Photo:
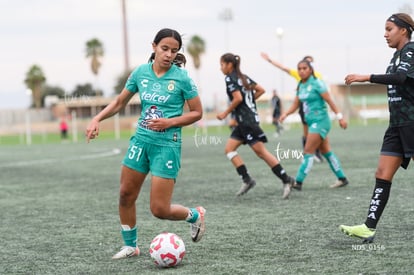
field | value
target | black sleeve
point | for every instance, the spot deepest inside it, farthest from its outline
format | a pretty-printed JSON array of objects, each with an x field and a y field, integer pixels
[{"x": 395, "y": 78}]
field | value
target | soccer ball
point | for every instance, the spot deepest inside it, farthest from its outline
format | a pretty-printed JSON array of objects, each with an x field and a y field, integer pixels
[{"x": 167, "y": 250}]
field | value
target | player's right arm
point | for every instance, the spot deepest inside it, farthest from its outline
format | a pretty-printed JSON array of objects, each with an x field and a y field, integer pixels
[
  {"x": 92, "y": 131},
  {"x": 293, "y": 108},
  {"x": 237, "y": 99},
  {"x": 275, "y": 63}
]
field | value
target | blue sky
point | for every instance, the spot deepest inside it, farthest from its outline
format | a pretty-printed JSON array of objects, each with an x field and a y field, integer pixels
[{"x": 343, "y": 37}]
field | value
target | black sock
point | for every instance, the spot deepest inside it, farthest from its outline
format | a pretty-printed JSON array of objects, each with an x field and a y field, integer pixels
[
  {"x": 280, "y": 173},
  {"x": 318, "y": 154},
  {"x": 378, "y": 202},
  {"x": 242, "y": 171}
]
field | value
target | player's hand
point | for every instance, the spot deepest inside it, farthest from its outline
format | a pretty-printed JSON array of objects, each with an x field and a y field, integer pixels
[
  {"x": 265, "y": 56},
  {"x": 349, "y": 79},
  {"x": 159, "y": 124},
  {"x": 92, "y": 131},
  {"x": 282, "y": 117},
  {"x": 221, "y": 116},
  {"x": 356, "y": 78},
  {"x": 343, "y": 123}
]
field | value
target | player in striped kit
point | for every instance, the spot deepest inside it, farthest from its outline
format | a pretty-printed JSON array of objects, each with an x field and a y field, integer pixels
[{"x": 242, "y": 92}]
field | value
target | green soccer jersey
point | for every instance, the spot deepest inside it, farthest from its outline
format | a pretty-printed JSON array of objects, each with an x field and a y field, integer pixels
[
  {"x": 161, "y": 97},
  {"x": 309, "y": 93}
]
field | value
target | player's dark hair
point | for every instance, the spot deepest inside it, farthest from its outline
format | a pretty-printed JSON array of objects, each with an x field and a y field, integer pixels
[
  {"x": 235, "y": 60},
  {"x": 164, "y": 33},
  {"x": 309, "y": 64},
  {"x": 308, "y": 57},
  {"x": 403, "y": 20},
  {"x": 180, "y": 60}
]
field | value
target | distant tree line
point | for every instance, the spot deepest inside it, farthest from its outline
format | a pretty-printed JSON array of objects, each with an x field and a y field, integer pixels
[{"x": 36, "y": 80}]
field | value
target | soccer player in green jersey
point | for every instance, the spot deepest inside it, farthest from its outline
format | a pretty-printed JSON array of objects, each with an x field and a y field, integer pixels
[
  {"x": 313, "y": 94},
  {"x": 295, "y": 74},
  {"x": 163, "y": 88},
  {"x": 242, "y": 92},
  {"x": 398, "y": 143}
]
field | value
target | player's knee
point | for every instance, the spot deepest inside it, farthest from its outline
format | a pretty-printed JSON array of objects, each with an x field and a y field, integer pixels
[
  {"x": 380, "y": 173},
  {"x": 261, "y": 154},
  {"x": 126, "y": 198},
  {"x": 231, "y": 155},
  {"x": 159, "y": 211}
]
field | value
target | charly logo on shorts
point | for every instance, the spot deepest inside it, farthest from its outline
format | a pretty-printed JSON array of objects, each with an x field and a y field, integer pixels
[{"x": 169, "y": 164}]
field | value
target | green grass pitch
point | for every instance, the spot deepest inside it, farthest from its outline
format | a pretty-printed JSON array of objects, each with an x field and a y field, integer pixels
[{"x": 59, "y": 215}]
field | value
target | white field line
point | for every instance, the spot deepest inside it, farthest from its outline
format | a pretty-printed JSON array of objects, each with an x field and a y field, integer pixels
[{"x": 112, "y": 152}]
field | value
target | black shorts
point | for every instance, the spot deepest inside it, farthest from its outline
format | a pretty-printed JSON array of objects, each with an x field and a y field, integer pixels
[
  {"x": 276, "y": 113},
  {"x": 399, "y": 142},
  {"x": 250, "y": 134},
  {"x": 302, "y": 114}
]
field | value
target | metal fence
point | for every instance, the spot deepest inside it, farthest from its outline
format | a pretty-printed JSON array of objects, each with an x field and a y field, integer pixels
[{"x": 14, "y": 120}]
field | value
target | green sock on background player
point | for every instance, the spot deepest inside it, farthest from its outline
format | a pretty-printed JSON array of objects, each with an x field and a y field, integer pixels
[
  {"x": 304, "y": 168},
  {"x": 335, "y": 164}
]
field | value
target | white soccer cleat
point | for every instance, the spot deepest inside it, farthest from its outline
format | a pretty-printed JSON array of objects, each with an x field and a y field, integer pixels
[
  {"x": 340, "y": 183},
  {"x": 197, "y": 229},
  {"x": 126, "y": 252},
  {"x": 245, "y": 187},
  {"x": 287, "y": 187}
]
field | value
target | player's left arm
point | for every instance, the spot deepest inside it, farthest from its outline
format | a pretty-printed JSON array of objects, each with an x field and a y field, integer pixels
[
  {"x": 194, "y": 114},
  {"x": 328, "y": 99},
  {"x": 258, "y": 91}
]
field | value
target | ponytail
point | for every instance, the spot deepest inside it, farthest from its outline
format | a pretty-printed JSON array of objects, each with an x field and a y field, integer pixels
[
  {"x": 235, "y": 60},
  {"x": 179, "y": 59}
]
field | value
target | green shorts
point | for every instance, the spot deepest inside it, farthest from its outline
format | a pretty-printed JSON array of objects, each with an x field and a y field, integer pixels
[
  {"x": 144, "y": 157},
  {"x": 321, "y": 127}
]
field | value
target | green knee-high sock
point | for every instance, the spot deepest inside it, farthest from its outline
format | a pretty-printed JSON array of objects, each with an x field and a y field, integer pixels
[
  {"x": 305, "y": 167},
  {"x": 192, "y": 215},
  {"x": 335, "y": 165},
  {"x": 130, "y": 236}
]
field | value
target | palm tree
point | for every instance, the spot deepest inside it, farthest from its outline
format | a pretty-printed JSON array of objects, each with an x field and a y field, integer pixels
[
  {"x": 94, "y": 50},
  {"x": 35, "y": 79},
  {"x": 84, "y": 90},
  {"x": 195, "y": 48}
]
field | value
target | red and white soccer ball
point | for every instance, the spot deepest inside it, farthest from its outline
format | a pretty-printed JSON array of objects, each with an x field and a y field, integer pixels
[{"x": 167, "y": 250}]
